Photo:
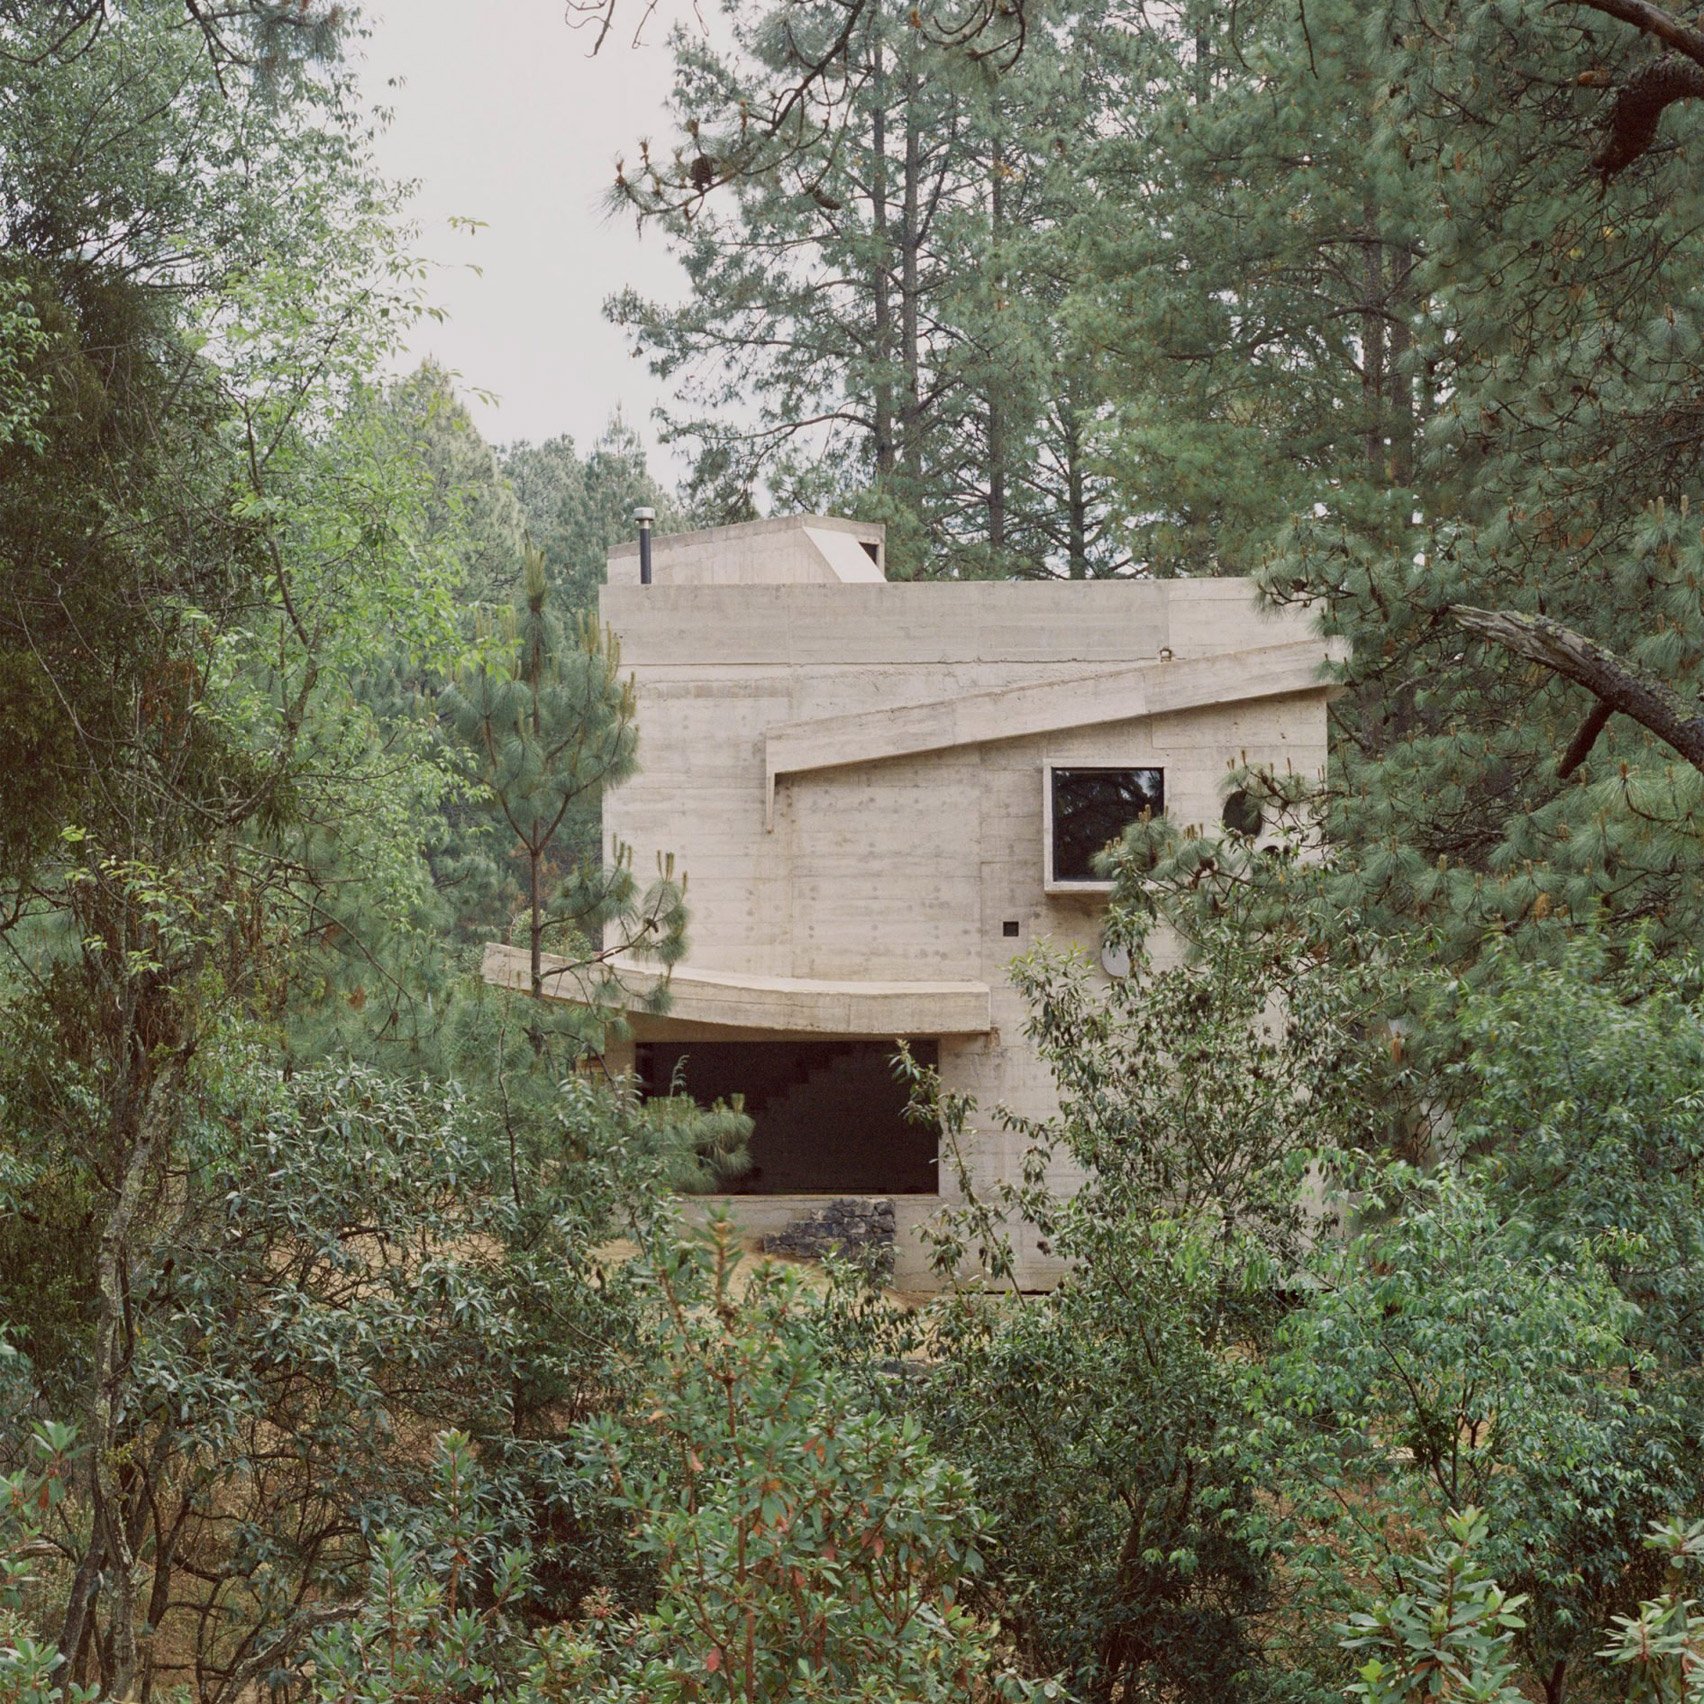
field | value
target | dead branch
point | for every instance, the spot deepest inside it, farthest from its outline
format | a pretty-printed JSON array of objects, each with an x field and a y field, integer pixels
[
  {"x": 1573, "y": 656},
  {"x": 1585, "y": 737}
]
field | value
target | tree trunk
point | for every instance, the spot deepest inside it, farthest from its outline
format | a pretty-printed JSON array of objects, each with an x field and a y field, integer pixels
[
  {"x": 535, "y": 913},
  {"x": 113, "y": 1487},
  {"x": 1373, "y": 346},
  {"x": 996, "y": 410},
  {"x": 881, "y": 248},
  {"x": 77, "y": 1625},
  {"x": 1076, "y": 495},
  {"x": 911, "y": 241},
  {"x": 1401, "y": 406}
]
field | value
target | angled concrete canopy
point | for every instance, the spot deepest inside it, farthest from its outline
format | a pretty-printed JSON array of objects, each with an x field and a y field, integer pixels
[{"x": 1010, "y": 712}]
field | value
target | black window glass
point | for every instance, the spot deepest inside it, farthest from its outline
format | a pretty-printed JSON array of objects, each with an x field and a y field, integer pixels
[{"x": 1093, "y": 807}]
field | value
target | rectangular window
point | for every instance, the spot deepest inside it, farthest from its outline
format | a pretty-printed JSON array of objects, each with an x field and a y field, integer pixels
[{"x": 1089, "y": 809}]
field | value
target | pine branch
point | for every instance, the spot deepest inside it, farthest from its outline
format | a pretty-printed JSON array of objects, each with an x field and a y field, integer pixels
[{"x": 1649, "y": 703}]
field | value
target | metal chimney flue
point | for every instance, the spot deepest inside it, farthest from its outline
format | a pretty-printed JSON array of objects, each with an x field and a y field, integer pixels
[{"x": 644, "y": 517}]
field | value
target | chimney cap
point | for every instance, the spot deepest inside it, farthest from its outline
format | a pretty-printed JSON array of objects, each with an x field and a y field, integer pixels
[{"x": 644, "y": 516}]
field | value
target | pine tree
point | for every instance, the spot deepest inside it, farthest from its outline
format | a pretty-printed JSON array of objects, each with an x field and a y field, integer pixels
[
  {"x": 543, "y": 734},
  {"x": 1379, "y": 334},
  {"x": 878, "y": 277}
]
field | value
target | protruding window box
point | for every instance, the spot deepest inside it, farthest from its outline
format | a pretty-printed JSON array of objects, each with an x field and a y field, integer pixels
[{"x": 1085, "y": 809}]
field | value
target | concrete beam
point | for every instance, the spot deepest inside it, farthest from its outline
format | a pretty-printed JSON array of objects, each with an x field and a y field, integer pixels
[
  {"x": 793, "y": 1005},
  {"x": 1116, "y": 695}
]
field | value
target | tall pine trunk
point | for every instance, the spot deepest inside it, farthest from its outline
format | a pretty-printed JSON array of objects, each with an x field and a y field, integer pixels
[
  {"x": 997, "y": 451},
  {"x": 911, "y": 241},
  {"x": 1076, "y": 494},
  {"x": 1373, "y": 344},
  {"x": 880, "y": 249}
]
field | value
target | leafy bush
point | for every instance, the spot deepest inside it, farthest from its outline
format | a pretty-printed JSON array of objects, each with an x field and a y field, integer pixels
[
  {"x": 1101, "y": 1420},
  {"x": 802, "y": 1548},
  {"x": 1446, "y": 1631},
  {"x": 1660, "y": 1651},
  {"x": 806, "y": 1548},
  {"x": 29, "y": 1666}
]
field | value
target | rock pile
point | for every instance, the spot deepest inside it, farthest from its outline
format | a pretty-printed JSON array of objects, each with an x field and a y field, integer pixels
[{"x": 853, "y": 1227}]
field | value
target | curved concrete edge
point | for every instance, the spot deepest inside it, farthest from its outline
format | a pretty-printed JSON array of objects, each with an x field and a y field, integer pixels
[{"x": 791, "y": 1005}]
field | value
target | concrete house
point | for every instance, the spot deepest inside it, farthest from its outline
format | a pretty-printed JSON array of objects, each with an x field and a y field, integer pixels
[{"x": 880, "y": 793}]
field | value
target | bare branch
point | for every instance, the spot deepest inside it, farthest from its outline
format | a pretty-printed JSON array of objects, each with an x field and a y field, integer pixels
[
  {"x": 1653, "y": 21},
  {"x": 1651, "y": 704}
]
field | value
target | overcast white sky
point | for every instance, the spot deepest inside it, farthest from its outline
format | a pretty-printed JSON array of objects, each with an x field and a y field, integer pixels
[{"x": 502, "y": 117}]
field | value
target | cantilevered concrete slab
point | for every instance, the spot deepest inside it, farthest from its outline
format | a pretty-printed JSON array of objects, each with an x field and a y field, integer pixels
[
  {"x": 1010, "y": 712},
  {"x": 789, "y": 1005}
]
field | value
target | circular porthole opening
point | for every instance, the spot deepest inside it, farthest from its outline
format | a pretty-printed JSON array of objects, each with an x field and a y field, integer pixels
[{"x": 1243, "y": 814}]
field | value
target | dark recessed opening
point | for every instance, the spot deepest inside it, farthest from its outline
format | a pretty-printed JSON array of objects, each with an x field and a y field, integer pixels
[
  {"x": 1091, "y": 810},
  {"x": 828, "y": 1117},
  {"x": 1243, "y": 814},
  {"x": 873, "y": 551},
  {"x": 1009, "y": 930}
]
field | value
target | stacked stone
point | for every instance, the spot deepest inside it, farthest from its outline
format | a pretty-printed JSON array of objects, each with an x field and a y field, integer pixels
[{"x": 852, "y": 1227}]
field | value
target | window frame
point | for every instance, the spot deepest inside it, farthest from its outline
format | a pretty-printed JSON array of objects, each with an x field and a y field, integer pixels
[{"x": 1067, "y": 884}]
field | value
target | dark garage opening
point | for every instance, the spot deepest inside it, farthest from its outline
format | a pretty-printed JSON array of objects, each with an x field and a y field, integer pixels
[{"x": 828, "y": 1117}]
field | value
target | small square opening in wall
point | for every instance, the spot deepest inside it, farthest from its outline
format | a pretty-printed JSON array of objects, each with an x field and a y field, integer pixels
[
  {"x": 1088, "y": 809},
  {"x": 1009, "y": 929}
]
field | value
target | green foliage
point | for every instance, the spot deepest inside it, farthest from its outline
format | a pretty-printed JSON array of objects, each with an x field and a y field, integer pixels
[
  {"x": 543, "y": 736},
  {"x": 1660, "y": 1651},
  {"x": 343, "y": 1262},
  {"x": 1584, "y": 1102},
  {"x": 799, "y": 1547},
  {"x": 805, "y": 1548},
  {"x": 1102, "y": 1420},
  {"x": 1096, "y": 1421},
  {"x": 23, "y": 393},
  {"x": 29, "y": 1498},
  {"x": 1445, "y": 1361},
  {"x": 469, "y": 509},
  {"x": 1445, "y": 1633},
  {"x": 578, "y": 507},
  {"x": 444, "y": 1614}
]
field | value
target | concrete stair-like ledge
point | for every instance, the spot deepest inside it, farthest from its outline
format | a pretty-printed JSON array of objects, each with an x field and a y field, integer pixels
[{"x": 799, "y": 1005}]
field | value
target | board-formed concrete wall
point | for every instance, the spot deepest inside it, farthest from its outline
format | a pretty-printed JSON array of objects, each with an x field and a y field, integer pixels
[{"x": 891, "y": 839}]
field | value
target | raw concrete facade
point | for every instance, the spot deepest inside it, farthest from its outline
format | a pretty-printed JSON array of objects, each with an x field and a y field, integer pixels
[{"x": 853, "y": 775}]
